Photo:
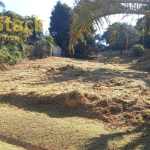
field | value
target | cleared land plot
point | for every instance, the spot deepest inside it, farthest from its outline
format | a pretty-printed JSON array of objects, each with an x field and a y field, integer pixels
[{"x": 115, "y": 113}]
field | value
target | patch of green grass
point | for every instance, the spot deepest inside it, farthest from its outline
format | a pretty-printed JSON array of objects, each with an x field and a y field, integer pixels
[
  {"x": 44, "y": 131},
  {"x": 50, "y": 130},
  {"x": 6, "y": 146}
]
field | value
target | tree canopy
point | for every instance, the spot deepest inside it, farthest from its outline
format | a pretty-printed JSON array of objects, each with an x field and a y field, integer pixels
[
  {"x": 121, "y": 36},
  {"x": 60, "y": 21},
  {"x": 2, "y": 4},
  {"x": 89, "y": 13}
]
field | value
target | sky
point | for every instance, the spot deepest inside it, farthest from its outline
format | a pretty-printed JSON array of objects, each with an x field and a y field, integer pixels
[{"x": 43, "y": 10}]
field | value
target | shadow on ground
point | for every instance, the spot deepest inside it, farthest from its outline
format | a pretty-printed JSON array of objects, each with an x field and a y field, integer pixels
[
  {"x": 38, "y": 104},
  {"x": 52, "y": 105},
  {"x": 143, "y": 66},
  {"x": 141, "y": 142}
]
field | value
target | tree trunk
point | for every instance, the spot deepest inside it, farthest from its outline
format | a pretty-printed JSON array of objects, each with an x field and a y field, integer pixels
[{"x": 127, "y": 46}]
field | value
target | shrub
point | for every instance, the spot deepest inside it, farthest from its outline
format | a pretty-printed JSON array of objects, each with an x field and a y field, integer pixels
[
  {"x": 40, "y": 50},
  {"x": 12, "y": 53},
  {"x": 4, "y": 56},
  {"x": 137, "y": 50}
]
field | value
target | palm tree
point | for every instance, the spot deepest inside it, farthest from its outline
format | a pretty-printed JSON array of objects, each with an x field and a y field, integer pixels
[
  {"x": 2, "y": 4},
  {"x": 146, "y": 20},
  {"x": 89, "y": 13}
]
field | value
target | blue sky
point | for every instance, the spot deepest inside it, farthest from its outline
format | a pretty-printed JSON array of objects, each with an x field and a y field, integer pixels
[{"x": 43, "y": 10}]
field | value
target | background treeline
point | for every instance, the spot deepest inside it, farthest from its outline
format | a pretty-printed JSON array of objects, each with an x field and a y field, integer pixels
[
  {"x": 30, "y": 44},
  {"x": 118, "y": 36}
]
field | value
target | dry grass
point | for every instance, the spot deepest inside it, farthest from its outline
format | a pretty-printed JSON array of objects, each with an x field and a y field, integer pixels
[
  {"x": 46, "y": 131},
  {"x": 34, "y": 95}
]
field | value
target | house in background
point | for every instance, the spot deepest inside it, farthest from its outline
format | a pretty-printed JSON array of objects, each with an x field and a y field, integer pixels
[{"x": 57, "y": 51}]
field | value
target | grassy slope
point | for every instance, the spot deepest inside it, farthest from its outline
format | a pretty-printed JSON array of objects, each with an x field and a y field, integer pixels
[{"x": 33, "y": 110}]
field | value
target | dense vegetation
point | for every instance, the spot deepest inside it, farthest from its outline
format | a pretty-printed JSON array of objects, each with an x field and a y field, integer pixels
[
  {"x": 34, "y": 44},
  {"x": 118, "y": 36},
  {"x": 101, "y": 103},
  {"x": 121, "y": 36},
  {"x": 60, "y": 21},
  {"x": 18, "y": 41}
]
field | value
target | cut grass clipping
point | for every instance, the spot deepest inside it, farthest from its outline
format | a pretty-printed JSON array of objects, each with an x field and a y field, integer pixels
[{"x": 61, "y": 103}]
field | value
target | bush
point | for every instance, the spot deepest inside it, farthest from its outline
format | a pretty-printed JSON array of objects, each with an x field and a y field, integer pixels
[
  {"x": 41, "y": 50},
  {"x": 12, "y": 53},
  {"x": 137, "y": 50},
  {"x": 5, "y": 56}
]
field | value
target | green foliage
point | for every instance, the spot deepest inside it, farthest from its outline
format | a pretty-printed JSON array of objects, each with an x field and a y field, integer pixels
[
  {"x": 85, "y": 47},
  {"x": 138, "y": 50},
  {"x": 120, "y": 36},
  {"x": 8, "y": 57},
  {"x": 13, "y": 16},
  {"x": 12, "y": 53},
  {"x": 60, "y": 25},
  {"x": 2, "y": 4},
  {"x": 39, "y": 50},
  {"x": 145, "y": 41},
  {"x": 89, "y": 13},
  {"x": 4, "y": 56},
  {"x": 14, "y": 46},
  {"x": 43, "y": 47},
  {"x": 143, "y": 26},
  {"x": 50, "y": 43}
]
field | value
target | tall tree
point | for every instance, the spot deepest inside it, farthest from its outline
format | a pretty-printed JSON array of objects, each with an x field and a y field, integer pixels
[
  {"x": 85, "y": 47},
  {"x": 121, "y": 36},
  {"x": 2, "y": 4},
  {"x": 60, "y": 21},
  {"x": 143, "y": 26}
]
